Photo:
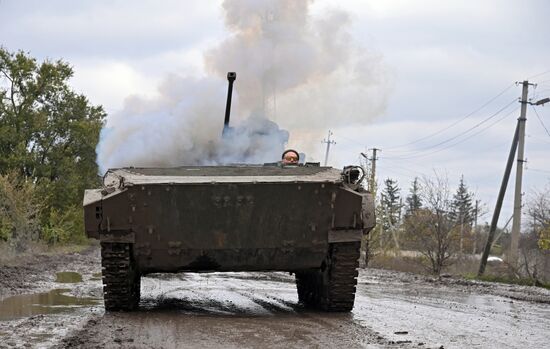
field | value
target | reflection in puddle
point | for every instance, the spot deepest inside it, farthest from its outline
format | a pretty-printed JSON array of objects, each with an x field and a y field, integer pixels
[
  {"x": 41, "y": 303},
  {"x": 68, "y": 277}
]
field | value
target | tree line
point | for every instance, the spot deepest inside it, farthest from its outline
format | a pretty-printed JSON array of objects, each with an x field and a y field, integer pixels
[
  {"x": 430, "y": 220},
  {"x": 48, "y": 137},
  {"x": 441, "y": 224}
]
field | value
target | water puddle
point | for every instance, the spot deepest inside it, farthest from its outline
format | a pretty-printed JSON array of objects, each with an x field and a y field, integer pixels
[
  {"x": 68, "y": 277},
  {"x": 52, "y": 302}
]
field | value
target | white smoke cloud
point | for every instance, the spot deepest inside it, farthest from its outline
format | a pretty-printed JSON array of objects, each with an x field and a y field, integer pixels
[{"x": 304, "y": 73}]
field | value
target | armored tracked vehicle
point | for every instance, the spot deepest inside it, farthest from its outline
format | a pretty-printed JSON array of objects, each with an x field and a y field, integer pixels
[{"x": 306, "y": 219}]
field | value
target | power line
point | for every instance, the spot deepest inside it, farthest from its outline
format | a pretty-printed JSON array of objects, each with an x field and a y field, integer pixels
[
  {"x": 456, "y": 122},
  {"x": 539, "y": 88},
  {"x": 410, "y": 171},
  {"x": 462, "y": 133},
  {"x": 351, "y": 140},
  {"x": 543, "y": 140},
  {"x": 399, "y": 172},
  {"x": 389, "y": 149},
  {"x": 539, "y": 74},
  {"x": 478, "y": 149},
  {"x": 540, "y": 119},
  {"x": 474, "y": 134},
  {"x": 418, "y": 153},
  {"x": 540, "y": 92},
  {"x": 460, "y": 141},
  {"x": 473, "y": 127},
  {"x": 537, "y": 170},
  {"x": 410, "y": 164}
]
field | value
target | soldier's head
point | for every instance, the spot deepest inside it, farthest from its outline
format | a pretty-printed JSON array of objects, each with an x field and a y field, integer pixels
[{"x": 290, "y": 157}]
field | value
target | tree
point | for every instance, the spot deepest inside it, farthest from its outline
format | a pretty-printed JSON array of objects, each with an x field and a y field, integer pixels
[
  {"x": 432, "y": 229},
  {"x": 462, "y": 209},
  {"x": 390, "y": 202},
  {"x": 544, "y": 239},
  {"x": 48, "y": 132},
  {"x": 534, "y": 243},
  {"x": 539, "y": 214},
  {"x": 413, "y": 201}
]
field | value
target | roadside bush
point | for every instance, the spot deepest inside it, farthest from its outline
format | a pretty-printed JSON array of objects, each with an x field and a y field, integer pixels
[
  {"x": 19, "y": 210},
  {"x": 394, "y": 261},
  {"x": 25, "y": 216},
  {"x": 5, "y": 229},
  {"x": 65, "y": 226}
]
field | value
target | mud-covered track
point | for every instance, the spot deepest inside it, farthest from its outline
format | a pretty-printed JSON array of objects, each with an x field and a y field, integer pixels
[
  {"x": 333, "y": 287},
  {"x": 121, "y": 280}
]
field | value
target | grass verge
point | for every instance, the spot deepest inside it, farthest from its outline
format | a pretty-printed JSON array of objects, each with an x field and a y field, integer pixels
[
  {"x": 9, "y": 256},
  {"x": 508, "y": 280}
]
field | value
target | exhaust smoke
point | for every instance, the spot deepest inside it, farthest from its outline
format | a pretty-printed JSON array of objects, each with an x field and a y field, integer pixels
[{"x": 301, "y": 72}]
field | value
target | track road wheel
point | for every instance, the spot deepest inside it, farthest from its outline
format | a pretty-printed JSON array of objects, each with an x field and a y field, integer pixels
[
  {"x": 332, "y": 287},
  {"x": 121, "y": 280}
]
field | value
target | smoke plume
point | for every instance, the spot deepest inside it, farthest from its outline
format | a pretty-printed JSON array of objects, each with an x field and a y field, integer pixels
[{"x": 301, "y": 72}]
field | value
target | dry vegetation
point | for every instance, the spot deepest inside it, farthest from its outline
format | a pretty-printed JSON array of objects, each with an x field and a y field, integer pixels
[{"x": 435, "y": 233}]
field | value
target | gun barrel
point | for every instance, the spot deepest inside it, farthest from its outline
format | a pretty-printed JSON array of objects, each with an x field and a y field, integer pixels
[{"x": 231, "y": 76}]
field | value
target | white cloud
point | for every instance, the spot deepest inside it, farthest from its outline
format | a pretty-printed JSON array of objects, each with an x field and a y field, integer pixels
[
  {"x": 110, "y": 82},
  {"x": 119, "y": 29}
]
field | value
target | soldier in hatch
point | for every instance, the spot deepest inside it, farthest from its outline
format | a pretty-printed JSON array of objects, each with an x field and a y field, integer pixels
[{"x": 290, "y": 157}]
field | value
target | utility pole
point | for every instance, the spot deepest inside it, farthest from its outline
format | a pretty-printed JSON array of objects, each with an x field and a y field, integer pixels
[
  {"x": 373, "y": 187},
  {"x": 475, "y": 228},
  {"x": 372, "y": 190},
  {"x": 373, "y": 170},
  {"x": 504, "y": 229},
  {"x": 516, "y": 223},
  {"x": 519, "y": 144},
  {"x": 498, "y": 206},
  {"x": 328, "y": 142}
]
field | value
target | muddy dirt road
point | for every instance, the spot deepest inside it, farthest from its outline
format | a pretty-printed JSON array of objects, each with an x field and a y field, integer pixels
[{"x": 250, "y": 310}]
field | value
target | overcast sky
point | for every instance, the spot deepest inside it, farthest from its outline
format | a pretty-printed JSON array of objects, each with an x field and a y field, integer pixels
[{"x": 439, "y": 61}]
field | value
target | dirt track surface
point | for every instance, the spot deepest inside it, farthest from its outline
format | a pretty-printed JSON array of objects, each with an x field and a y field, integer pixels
[
  {"x": 33, "y": 273},
  {"x": 249, "y": 310}
]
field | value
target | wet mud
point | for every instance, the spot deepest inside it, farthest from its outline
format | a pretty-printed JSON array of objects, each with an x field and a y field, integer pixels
[
  {"x": 453, "y": 313},
  {"x": 222, "y": 310},
  {"x": 53, "y": 302},
  {"x": 45, "y": 297},
  {"x": 31, "y": 274},
  {"x": 68, "y": 277},
  {"x": 250, "y": 310}
]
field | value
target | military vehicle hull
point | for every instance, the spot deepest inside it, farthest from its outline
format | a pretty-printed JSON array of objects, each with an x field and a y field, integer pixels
[{"x": 226, "y": 218}]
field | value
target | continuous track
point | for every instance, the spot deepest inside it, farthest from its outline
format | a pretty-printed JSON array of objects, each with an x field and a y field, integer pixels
[
  {"x": 332, "y": 287},
  {"x": 121, "y": 280}
]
